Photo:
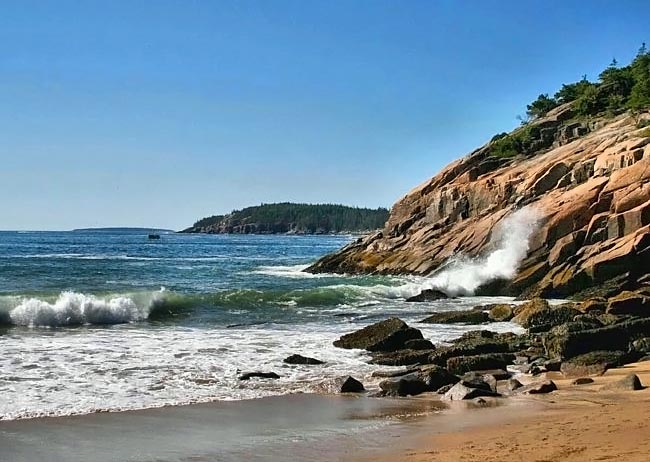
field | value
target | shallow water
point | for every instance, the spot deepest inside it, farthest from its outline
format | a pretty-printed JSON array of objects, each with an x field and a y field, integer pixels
[{"x": 112, "y": 321}]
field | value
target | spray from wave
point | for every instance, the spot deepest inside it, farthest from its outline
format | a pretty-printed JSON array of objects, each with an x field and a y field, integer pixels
[
  {"x": 73, "y": 308},
  {"x": 511, "y": 242}
]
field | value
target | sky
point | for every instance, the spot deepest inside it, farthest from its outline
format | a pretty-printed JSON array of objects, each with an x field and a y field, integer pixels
[{"x": 158, "y": 113}]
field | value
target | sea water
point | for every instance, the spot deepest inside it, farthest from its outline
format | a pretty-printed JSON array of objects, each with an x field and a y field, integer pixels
[{"x": 113, "y": 321}]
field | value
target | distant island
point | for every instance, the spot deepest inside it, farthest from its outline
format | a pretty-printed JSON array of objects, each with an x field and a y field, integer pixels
[
  {"x": 290, "y": 218},
  {"x": 123, "y": 230}
]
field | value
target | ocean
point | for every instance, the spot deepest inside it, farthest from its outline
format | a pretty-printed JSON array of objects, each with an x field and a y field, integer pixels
[{"x": 112, "y": 321}]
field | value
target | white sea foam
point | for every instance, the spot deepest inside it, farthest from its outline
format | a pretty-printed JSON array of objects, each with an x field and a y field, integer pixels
[
  {"x": 73, "y": 308},
  {"x": 135, "y": 366},
  {"x": 290, "y": 271},
  {"x": 510, "y": 240}
]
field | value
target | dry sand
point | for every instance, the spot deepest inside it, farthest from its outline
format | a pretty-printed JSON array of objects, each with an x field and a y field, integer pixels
[{"x": 576, "y": 423}]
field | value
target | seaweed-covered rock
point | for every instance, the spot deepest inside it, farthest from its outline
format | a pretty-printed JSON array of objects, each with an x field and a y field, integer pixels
[
  {"x": 428, "y": 295},
  {"x": 500, "y": 312},
  {"x": 540, "y": 316},
  {"x": 592, "y": 363},
  {"x": 641, "y": 345},
  {"x": 402, "y": 357},
  {"x": 562, "y": 343},
  {"x": 388, "y": 335},
  {"x": 457, "y": 317},
  {"x": 463, "y": 364}
]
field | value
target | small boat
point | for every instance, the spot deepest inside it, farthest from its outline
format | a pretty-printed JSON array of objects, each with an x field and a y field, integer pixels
[{"x": 154, "y": 236}]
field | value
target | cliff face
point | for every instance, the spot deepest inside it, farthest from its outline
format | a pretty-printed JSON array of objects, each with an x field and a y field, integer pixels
[{"x": 589, "y": 182}]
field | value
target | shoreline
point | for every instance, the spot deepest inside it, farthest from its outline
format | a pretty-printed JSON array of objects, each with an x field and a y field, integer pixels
[{"x": 574, "y": 423}]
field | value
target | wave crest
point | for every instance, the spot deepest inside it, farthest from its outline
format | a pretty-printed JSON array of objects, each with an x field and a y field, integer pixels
[{"x": 73, "y": 308}]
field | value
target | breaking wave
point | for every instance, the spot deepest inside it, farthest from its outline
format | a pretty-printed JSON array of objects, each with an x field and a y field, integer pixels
[{"x": 510, "y": 240}]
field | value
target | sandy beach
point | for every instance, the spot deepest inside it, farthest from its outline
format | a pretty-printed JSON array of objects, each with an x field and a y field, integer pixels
[{"x": 574, "y": 423}]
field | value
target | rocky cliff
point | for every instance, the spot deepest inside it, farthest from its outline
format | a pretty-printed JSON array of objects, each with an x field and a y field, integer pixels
[{"x": 589, "y": 182}]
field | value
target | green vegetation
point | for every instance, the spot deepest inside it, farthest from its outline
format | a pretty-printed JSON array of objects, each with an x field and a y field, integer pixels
[
  {"x": 294, "y": 218},
  {"x": 617, "y": 89}
]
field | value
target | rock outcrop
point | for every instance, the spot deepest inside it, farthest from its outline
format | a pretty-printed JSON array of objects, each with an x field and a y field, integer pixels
[{"x": 589, "y": 183}]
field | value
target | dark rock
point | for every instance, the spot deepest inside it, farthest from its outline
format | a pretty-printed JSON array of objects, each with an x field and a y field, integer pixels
[
  {"x": 419, "y": 344},
  {"x": 463, "y": 390},
  {"x": 428, "y": 295},
  {"x": 402, "y": 357},
  {"x": 436, "y": 377},
  {"x": 630, "y": 382},
  {"x": 480, "y": 381},
  {"x": 536, "y": 388},
  {"x": 263, "y": 375},
  {"x": 592, "y": 363},
  {"x": 561, "y": 343},
  {"x": 457, "y": 317},
  {"x": 500, "y": 312},
  {"x": 476, "y": 343},
  {"x": 388, "y": 335},
  {"x": 427, "y": 378},
  {"x": 409, "y": 384},
  {"x": 463, "y": 364},
  {"x": 350, "y": 385},
  {"x": 582, "y": 381},
  {"x": 299, "y": 359}
]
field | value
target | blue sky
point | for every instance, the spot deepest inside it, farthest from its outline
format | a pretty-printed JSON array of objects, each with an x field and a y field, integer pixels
[{"x": 157, "y": 113}]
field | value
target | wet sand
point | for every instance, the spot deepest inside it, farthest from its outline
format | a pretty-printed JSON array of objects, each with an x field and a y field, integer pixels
[
  {"x": 295, "y": 427},
  {"x": 575, "y": 423}
]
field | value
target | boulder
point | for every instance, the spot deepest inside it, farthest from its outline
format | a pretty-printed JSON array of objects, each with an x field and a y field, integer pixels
[
  {"x": 562, "y": 343},
  {"x": 409, "y": 384},
  {"x": 349, "y": 385},
  {"x": 630, "y": 382},
  {"x": 457, "y": 317},
  {"x": 500, "y": 312},
  {"x": 463, "y": 364},
  {"x": 428, "y": 295},
  {"x": 388, "y": 335},
  {"x": 299, "y": 359},
  {"x": 427, "y": 378},
  {"x": 464, "y": 391},
  {"x": 592, "y": 363},
  {"x": 536, "y": 388},
  {"x": 263, "y": 375},
  {"x": 436, "y": 377}
]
